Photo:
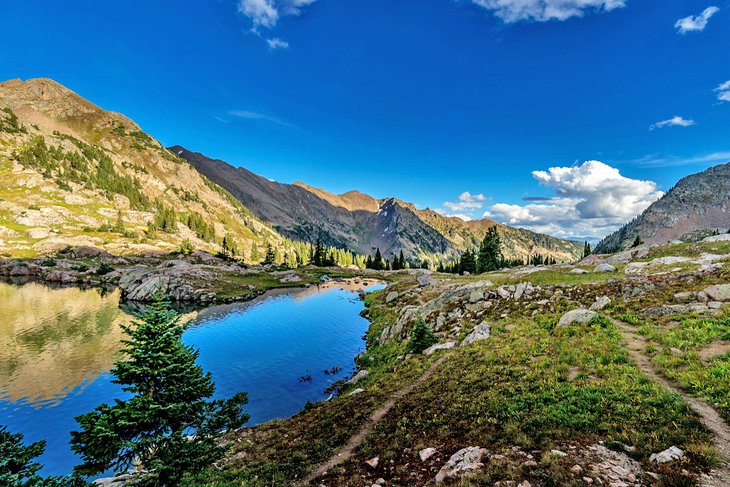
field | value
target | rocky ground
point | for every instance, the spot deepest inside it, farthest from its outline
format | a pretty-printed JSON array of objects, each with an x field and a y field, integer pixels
[{"x": 613, "y": 372}]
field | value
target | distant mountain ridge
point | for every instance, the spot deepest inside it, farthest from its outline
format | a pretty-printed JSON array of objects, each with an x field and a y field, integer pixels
[
  {"x": 698, "y": 205},
  {"x": 361, "y": 223}
]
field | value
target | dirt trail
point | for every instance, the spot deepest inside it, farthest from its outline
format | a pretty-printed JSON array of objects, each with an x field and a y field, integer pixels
[
  {"x": 345, "y": 453},
  {"x": 708, "y": 415}
]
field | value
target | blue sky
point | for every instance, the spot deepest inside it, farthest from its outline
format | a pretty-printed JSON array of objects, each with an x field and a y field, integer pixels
[{"x": 435, "y": 102}]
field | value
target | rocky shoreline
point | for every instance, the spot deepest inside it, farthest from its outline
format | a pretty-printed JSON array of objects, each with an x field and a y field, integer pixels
[{"x": 197, "y": 278}]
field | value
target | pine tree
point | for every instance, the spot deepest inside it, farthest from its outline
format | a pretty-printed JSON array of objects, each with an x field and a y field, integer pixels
[
  {"x": 467, "y": 262},
  {"x": 490, "y": 253},
  {"x": 401, "y": 260},
  {"x": 421, "y": 337},
  {"x": 637, "y": 241},
  {"x": 169, "y": 424},
  {"x": 378, "y": 263},
  {"x": 270, "y": 257},
  {"x": 17, "y": 465},
  {"x": 586, "y": 250}
]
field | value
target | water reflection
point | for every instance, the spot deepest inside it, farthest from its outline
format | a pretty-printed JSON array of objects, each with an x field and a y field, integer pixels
[{"x": 54, "y": 340}]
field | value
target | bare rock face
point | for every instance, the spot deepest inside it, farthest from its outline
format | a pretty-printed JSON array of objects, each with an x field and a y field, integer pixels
[
  {"x": 464, "y": 462},
  {"x": 696, "y": 206}
]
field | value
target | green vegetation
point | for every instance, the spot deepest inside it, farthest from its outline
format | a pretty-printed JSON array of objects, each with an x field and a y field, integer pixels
[
  {"x": 421, "y": 337},
  {"x": 17, "y": 465},
  {"x": 9, "y": 122},
  {"x": 90, "y": 167},
  {"x": 490, "y": 252},
  {"x": 169, "y": 425},
  {"x": 203, "y": 230}
]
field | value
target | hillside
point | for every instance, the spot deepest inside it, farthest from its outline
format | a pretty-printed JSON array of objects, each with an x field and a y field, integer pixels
[
  {"x": 74, "y": 174},
  {"x": 361, "y": 223},
  {"x": 695, "y": 207}
]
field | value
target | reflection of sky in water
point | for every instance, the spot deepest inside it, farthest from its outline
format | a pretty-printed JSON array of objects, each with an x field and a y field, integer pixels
[{"x": 56, "y": 346}]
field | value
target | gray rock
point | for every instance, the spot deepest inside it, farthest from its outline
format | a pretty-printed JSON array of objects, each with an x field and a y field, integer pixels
[
  {"x": 723, "y": 237},
  {"x": 426, "y": 453},
  {"x": 718, "y": 292},
  {"x": 480, "y": 332},
  {"x": 465, "y": 461},
  {"x": 685, "y": 297},
  {"x": 577, "y": 315},
  {"x": 604, "y": 268},
  {"x": 358, "y": 377},
  {"x": 424, "y": 280},
  {"x": 356, "y": 391},
  {"x": 373, "y": 462},
  {"x": 392, "y": 296},
  {"x": 439, "y": 346},
  {"x": 669, "y": 455},
  {"x": 476, "y": 296},
  {"x": 601, "y": 302},
  {"x": 578, "y": 270}
]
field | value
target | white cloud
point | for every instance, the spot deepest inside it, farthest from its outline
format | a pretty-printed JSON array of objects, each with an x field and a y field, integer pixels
[
  {"x": 463, "y": 216},
  {"x": 593, "y": 199},
  {"x": 250, "y": 115},
  {"x": 266, "y": 13},
  {"x": 723, "y": 91},
  {"x": 695, "y": 23},
  {"x": 467, "y": 201},
  {"x": 675, "y": 121},
  {"x": 276, "y": 43},
  {"x": 655, "y": 160},
  {"x": 545, "y": 10},
  {"x": 467, "y": 196}
]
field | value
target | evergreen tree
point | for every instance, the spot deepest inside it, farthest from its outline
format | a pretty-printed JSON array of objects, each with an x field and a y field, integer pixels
[
  {"x": 270, "y": 257},
  {"x": 421, "y": 337},
  {"x": 228, "y": 246},
  {"x": 468, "y": 262},
  {"x": 637, "y": 241},
  {"x": 169, "y": 424},
  {"x": 17, "y": 465},
  {"x": 586, "y": 250},
  {"x": 378, "y": 263},
  {"x": 490, "y": 254},
  {"x": 319, "y": 254},
  {"x": 401, "y": 260}
]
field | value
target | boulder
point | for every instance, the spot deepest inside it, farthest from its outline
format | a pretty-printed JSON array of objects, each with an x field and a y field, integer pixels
[
  {"x": 356, "y": 391},
  {"x": 480, "y": 332},
  {"x": 579, "y": 315},
  {"x": 439, "y": 346},
  {"x": 465, "y": 461},
  {"x": 373, "y": 462},
  {"x": 604, "y": 268},
  {"x": 476, "y": 296},
  {"x": 392, "y": 296},
  {"x": 426, "y": 453},
  {"x": 718, "y": 292},
  {"x": 578, "y": 270},
  {"x": 669, "y": 455},
  {"x": 358, "y": 377},
  {"x": 424, "y": 280},
  {"x": 601, "y": 302},
  {"x": 723, "y": 237}
]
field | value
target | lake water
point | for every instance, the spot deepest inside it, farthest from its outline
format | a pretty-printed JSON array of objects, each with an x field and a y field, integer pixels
[{"x": 58, "y": 345}]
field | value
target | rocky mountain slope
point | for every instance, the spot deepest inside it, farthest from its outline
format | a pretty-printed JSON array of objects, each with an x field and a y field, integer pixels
[
  {"x": 696, "y": 206},
  {"x": 74, "y": 174},
  {"x": 361, "y": 223}
]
